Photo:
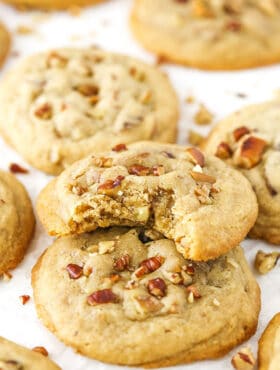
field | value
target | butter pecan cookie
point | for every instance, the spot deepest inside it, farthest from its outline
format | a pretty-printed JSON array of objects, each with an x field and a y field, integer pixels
[
  {"x": 201, "y": 203},
  {"x": 50, "y": 4},
  {"x": 269, "y": 346},
  {"x": 126, "y": 296},
  {"x": 16, "y": 221},
  {"x": 16, "y": 357},
  {"x": 4, "y": 43},
  {"x": 249, "y": 140},
  {"x": 59, "y": 106},
  {"x": 215, "y": 34}
]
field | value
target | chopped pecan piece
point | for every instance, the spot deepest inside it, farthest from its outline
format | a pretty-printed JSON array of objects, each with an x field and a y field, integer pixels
[
  {"x": 12, "y": 365},
  {"x": 78, "y": 190},
  {"x": 44, "y": 111},
  {"x": 74, "y": 271},
  {"x": 265, "y": 262},
  {"x": 16, "y": 168},
  {"x": 239, "y": 132},
  {"x": 149, "y": 304},
  {"x": 87, "y": 90},
  {"x": 250, "y": 153},
  {"x": 149, "y": 265},
  {"x": 223, "y": 151},
  {"x": 243, "y": 360},
  {"x": 157, "y": 287},
  {"x": 105, "y": 162},
  {"x": 24, "y": 299},
  {"x": 158, "y": 170},
  {"x": 41, "y": 350},
  {"x": 119, "y": 148},
  {"x": 192, "y": 289},
  {"x": 139, "y": 170},
  {"x": 196, "y": 156},
  {"x": 109, "y": 186},
  {"x": 122, "y": 263},
  {"x": 202, "y": 177},
  {"x": 115, "y": 278},
  {"x": 102, "y": 297}
]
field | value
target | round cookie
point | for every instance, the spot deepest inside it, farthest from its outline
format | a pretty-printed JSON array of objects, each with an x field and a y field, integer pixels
[
  {"x": 214, "y": 35},
  {"x": 50, "y": 4},
  {"x": 57, "y": 107},
  {"x": 4, "y": 43},
  {"x": 128, "y": 297},
  {"x": 250, "y": 141},
  {"x": 16, "y": 221},
  {"x": 16, "y": 357},
  {"x": 170, "y": 188},
  {"x": 269, "y": 345}
]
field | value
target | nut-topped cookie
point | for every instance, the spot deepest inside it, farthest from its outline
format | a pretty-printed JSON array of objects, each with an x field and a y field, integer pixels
[
  {"x": 215, "y": 34},
  {"x": 126, "y": 296},
  {"x": 201, "y": 203},
  {"x": 50, "y": 4},
  {"x": 16, "y": 357},
  {"x": 249, "y": 140},
  {"x": 59, "y": 106},
  {"x": 269, "y": 344},
  {"x": 4, "y": 43},
  {"x": 16, "y": 221}
]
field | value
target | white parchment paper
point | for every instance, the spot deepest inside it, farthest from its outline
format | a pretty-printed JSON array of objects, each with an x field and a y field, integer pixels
[{"x": 107, "y": 25}]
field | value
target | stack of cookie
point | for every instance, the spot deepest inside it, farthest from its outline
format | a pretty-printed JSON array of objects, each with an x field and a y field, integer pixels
[{"x": 147, "y": 269}]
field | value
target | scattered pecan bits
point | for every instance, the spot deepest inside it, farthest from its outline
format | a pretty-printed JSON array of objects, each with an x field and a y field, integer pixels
[
  {"x": 24, "y": 299},
  {"x": 157, "y": 287},
  {"x": 196, "y": 156},
  {"x": 122, "y": 263},
  {"x": 149, "y": 265},
  {"x": 223, "y": 151},
  {"x": 239, "y": 132},
  {"x": 139, "y": 170},
  {"x": 233, "y": 26},
  {"x": 265, "y": 262},
  {"x": 243, "y": 360},
  {"x": 44, "y": 111},
  {"x": 87, "y": 90},
  {"x": 56, "y": 60},
  {"x": 203, "y": 116},
  {"x": 110, "y": 186},
  {"x": 16, "y": 168},
  {"x": 102, "y": 297},
  {"x": 202, "y": 177},
  {"x": 189, "y": 269},
  {"x": 193, "y": 290},
  {"x": 250, "y": 152},
  {"x": 119, "y": 148},
  {"x": 74, "y": 271},
  {"x": 41, "y": 350}
]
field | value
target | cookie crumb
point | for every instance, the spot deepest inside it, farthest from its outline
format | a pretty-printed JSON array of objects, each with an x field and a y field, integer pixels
[
  {"x": 194, "y": 138},
  {"x": 241, "y": 95},
  {"x": 7, "y": 276},
  {"x": 190, "y": 99},
  {"x": 265, "y": 262},
  {"x": 41, "y": 350},
  {"x": 24, "y": 299},
  {"x": 203, "y": 116},
  {"x": 16, "y": 168},
  {"x": 244, "y": 359}
]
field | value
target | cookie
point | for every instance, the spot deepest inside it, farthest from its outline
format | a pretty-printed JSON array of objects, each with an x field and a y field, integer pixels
[
  {"x": 15, "y": 357},
  {"x": 4, "y": 43},
  {"x": 214, "y": 35},
  {"x": 168, "y": 187},
  {"x": 49, "y": 4},
  {"x": 126, "y": 296},
  {"x": 250, "y": 141},
  {"x": 269, "y": 344},
  {"x": 57, "y": 107},
  {"x": 16, "y": 221}
]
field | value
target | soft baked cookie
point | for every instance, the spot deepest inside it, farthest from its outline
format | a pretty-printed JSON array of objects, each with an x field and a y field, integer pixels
[
  {"x": 202, "y": 204},
  {"x": 215, "y": 34},
  {"x": 128, "y": 297},
  {"x": 50, "y": 4},
  {"x": 16, "y": 221},
  {"x": 16, "y": 357},
  {"x": 269, "y": 346},
  {"x": 250, "y": 141},
  {"x": 4, "y": 43},
  {"x": 59, "y": 106}
]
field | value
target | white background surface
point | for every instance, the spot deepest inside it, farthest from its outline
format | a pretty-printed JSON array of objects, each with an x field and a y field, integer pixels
[{"x": 107, "y": 25}]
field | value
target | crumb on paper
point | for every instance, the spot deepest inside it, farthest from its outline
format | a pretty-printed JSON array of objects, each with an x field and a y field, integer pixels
[
  {"x": 194, "y": 138},
  {"x": 243, "y": 360},
  {"x": 203, "y": 116},
  {"x": 160, "y": 59},
  {"x": 265, "y": 262},
  {"x": 241, "y": 95},
  {"x": 190, "y": 99},
  {"x": 24, "y": 30}
]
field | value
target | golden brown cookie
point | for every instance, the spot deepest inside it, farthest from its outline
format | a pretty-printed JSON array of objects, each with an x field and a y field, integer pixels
[
  {"x": 269, "y": 346},
  {"x": 4, "y": 43},
  {"x": 50, "y": 4},
  {"x": 126, "y": 296},
  {"x": 16, "y": 221},
  {"x": 249, "y": 140},
  {"x": 59, "y": 106},
  {"x": 202, "y": 204},
  {"x": 215, "y": 34}
]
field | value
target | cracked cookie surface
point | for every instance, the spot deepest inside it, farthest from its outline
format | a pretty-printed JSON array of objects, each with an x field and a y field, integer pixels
[
  {"x": 170, "y": 188},
  {"x": 4, "y": 43},
  {"x": 216, "y": 34},
  {"x": 16, "y": 221},
  {"x": 125, "y": 296},
  {"x": 59, "y": 106},
  {"x": 269, "y": 345},
  {"x": 249, "y": 140},
  {"x": 16, "y": 357}
]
